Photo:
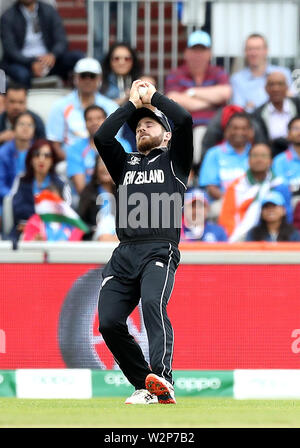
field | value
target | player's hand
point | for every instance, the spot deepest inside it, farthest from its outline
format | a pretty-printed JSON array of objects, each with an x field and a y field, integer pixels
[
  {"x": 134, "y": 95},
  {"x": 146, "y": 99}
]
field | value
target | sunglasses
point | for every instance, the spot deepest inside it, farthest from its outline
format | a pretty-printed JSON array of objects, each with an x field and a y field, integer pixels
[
  {"x": 88, "y": 75},
  {"x": 120, "y": 58},
  {"x": 47, "y": 155}
]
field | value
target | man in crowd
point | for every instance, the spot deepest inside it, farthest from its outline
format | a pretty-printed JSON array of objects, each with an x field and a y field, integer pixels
[
  {"x": 225, "y": 162},
  {"x": 248, "y": 85},
  {"x": 34, "y": 42},
  {"x": 66, "y": 122},
  {"x": 287, "y": 164},
  {"x": 15, "y": 102},
  {"x": 274, "y": 115},
  {"x": 198, "y": 86},
  {"x": 242, "y": 200}
]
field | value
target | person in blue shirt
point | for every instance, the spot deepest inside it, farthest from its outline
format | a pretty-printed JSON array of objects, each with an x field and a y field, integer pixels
[
  {"x": 13, "y": 153},
  {"x": 40, "y": 164},
  {"x": 227, "y": 161},
  {"x": 287, "y": 163},
  {"x": 81, "y": 156},
  {"x": 66, "y": 122},
  {"x": 195, "y": 225},
  {"x": 248, "y": 85},
  {"x": 273, "y": 226}
]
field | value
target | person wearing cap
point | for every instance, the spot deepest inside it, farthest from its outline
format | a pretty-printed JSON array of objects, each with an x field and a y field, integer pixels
[
  {"x": 195, "y": 224},
  {"x": 150, "y": 189},
  {"x": 34, "y": 42},
  {"x": 273, "y": 225},
  {"x": 241, "y": 206},
  {"x": 199, "y": 86},
  {"x": 66, "y": 122}
]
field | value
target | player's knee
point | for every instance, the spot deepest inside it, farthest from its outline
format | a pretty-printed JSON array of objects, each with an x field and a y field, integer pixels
[{"x": 107, "y": 325}]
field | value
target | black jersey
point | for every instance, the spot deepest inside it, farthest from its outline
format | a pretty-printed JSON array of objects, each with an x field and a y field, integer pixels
[{"x": 150, "y": 189}]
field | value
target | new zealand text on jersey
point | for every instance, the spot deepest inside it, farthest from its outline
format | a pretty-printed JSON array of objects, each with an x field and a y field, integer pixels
[{"x": 144, "y": 177}]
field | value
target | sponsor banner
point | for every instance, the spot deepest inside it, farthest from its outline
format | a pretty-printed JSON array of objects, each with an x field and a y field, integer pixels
[
  {"x": 7, "y": 383},
  {"x": 187, "y": 383},
  {"x": 274, "y": 384},
  {"x": 53, "y": 383},
  {"x": 225, "y": 317}
]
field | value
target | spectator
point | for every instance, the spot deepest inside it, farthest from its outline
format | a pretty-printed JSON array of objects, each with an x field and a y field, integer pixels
[
  {"x": 198, "y": 86},
  {"x": 241, "y": 207},
  {"x": 13, "y": 153},
  {"x": 15, "y": 102},
  {"x": 248, "y": 85},
  {"x": 40, "y": 163},
  {"x": 195, "y": 225},
  {"x": 120, "y": 68},
  {"x": 99, "y": 215},
  {"x": 66, "y": 121},
  {"x": 273, "y": 225},
  {"x": 2, "y": 106},
  {"x": 34, "y": 42},
  {"x": 287, "y": 164},
  {"x": 54, "y": 220},
  {"x": 296, "y": 221},
  {"x": 225, "y": 162},
  {"x": 82, "y": 155},
  {"x": 274, "y": 115}
]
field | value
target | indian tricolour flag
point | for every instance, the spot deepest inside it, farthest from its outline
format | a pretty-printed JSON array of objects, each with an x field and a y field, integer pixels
[{"x": 52, "y": 208}]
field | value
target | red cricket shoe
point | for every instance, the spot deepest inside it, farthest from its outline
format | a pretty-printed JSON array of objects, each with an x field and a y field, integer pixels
[{"x": 161, "y": 388}]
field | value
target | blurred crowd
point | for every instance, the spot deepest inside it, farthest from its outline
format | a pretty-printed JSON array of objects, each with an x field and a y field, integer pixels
[{"x": 245, "y": 180}]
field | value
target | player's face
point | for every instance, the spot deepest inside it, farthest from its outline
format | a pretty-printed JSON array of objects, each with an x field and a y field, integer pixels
[
  {"x": 15, "y": 103},
  {"x": 42, "y": 160},
  {"x": 149, "y": 134},
  {"x": 94, "y": 119},
  {"x": 294, "y": 133},
  {"x": 260, "y": 158}
]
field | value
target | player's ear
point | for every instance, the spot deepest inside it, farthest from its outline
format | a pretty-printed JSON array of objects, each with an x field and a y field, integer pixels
[{"x": 168, "y": 136}]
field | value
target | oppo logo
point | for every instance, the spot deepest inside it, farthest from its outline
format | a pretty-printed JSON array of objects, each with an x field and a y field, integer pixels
[
  {"x": 198, "y": 384},
  {"x": 116, "y": 379},
  {"x": 296, "y": 343}
]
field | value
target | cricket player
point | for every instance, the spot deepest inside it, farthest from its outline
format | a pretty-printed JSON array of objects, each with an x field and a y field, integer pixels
[{"x": 150, "y": 188}]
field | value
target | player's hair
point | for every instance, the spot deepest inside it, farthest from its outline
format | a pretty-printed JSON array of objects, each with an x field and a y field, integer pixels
[
  {"x": 94, "y": 107},
  {"x": 291, "y": 122},
  {"x": 242, "y": 115}
]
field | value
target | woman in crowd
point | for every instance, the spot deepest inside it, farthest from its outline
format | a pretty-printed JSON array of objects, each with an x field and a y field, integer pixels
[
  {"x": 120, "y": 68},
  {"x": 40, "y": 174},
  {"x": 273, "y": 225},
  {"x": 13, "y": 153},
  {"x": 96, "y": 206}
]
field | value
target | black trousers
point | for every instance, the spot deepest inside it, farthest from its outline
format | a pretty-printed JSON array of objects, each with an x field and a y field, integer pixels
[{"x": 137, "y": 271}]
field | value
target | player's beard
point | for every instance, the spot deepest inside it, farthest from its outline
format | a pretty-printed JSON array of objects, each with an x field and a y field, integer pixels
[{"x": 149, "y": 143}]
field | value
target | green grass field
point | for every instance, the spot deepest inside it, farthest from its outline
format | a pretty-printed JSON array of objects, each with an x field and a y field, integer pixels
[{"x": 112, "y": 413}]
